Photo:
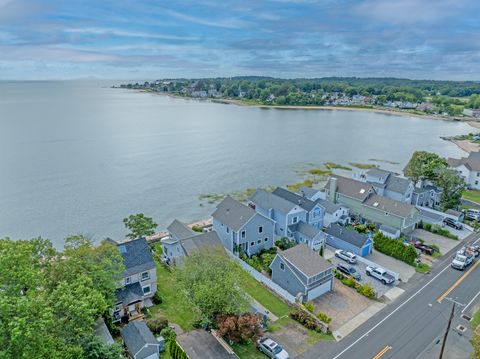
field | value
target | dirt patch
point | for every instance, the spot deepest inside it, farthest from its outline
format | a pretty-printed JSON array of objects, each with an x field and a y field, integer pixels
[
  {"x": 445, "y": 244},
  {"x": 467, "y": 145},
  {"x": 293, "y": 338},
  {"x": 341, "y": 304}
]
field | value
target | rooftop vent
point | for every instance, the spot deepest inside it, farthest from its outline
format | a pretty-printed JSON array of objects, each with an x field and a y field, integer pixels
[
  {"x": 375, "y": 204},
  {"x": 362, "y": 190}
]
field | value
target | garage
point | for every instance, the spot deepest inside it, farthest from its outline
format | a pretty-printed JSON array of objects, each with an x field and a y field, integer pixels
[{"x": 318, "y": 291}]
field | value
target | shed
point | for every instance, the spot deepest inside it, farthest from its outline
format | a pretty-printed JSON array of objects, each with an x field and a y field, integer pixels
[
  {"x": 348, "y": 240},
  {"x": 139, "y": 340}
]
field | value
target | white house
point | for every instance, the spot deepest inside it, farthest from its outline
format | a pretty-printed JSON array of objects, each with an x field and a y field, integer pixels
[{"x": 468, "y": 168}]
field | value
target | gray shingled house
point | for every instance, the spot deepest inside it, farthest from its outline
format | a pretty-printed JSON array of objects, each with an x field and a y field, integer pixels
[
  {"x": 388, "y": 184},
  {"x": 240, "y": 227},
  {"x": 343, "y": 238},
  {"x": 301, "y": 271},
  {"x": 139, "y": 280},
  {"x": 139, "y": 341}
]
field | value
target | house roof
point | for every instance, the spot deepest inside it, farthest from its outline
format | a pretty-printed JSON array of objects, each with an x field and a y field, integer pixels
[
  {"x": 268, "y": 200},
  {"x": 453, "y": 212},
  {"x": 308, "y": 192},
  {"x": 347, "y": 235},
  {"x": 305, "y": 260},
  {"x": 294, "y": 198},
  {"x": 180, "y": 230},
  {"x": 388, "y": 229},
  {"x": 351, "y": 188},
  {"x": 137, "y": 256},
  {"x": 200, "y": 344},
  {"x": 136, "y": 336},
  {"x": 204, "y": 241},
  {"x": 472, "y": 162},
  {"x": 131, "y": 293},
  {"x": 102, "y": 332},
  {"x": 379, "y": 173},
  {"x": 391, "y": 206},
  {"x": 233, "y": 213},
  {"x": 328, "y": 206},
  {"x": 305, "y": 229},
  {"x": 397, "y": 184}
]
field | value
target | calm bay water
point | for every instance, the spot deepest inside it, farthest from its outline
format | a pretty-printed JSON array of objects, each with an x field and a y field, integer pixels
[{"x": 76, "y": 157}]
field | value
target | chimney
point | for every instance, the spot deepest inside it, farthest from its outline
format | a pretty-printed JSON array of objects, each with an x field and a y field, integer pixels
[{"x": 332, "y": 191}]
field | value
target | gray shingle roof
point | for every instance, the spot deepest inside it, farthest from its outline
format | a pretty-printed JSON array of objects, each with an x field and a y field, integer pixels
[
  {"x": 328, "y": 206},
  {"x": 347, "y": 235},
  {"x": 102, "y": 332},
  {"x": 305, "y": 260},
  {"x": 350, "y": 187},
  {"x": 137, "y": 256},
  {"x": 136, "y": 335},
  {"x": 233, "y": 214},
  {"x": 379, "y": 173},
  {"x": 388, "y": 205},
  {"x": 200, "y": 344},
  {"x": 472, "y": 162},
  {"x": 397, "y": 184},
  {"x": 294, "y": 198},
  {"x": 453, "y": 212},
  {"x": 305, "y": 229},
  {"x": 129, "y": 294},
  {"x": 199, "y": 242},
  {"x": 180, "y": 230},
  {"x": 308, "y": 192},
  {"x": 388, "y": 229},
  {"x": 267, "y": 200}
]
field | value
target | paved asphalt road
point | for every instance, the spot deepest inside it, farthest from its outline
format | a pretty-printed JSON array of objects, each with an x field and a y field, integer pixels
[{"x": 413, "y": 325}]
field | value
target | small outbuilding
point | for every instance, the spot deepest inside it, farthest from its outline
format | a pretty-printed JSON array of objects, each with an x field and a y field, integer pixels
[
  {"x": 139, "y": 341},
  {"x": 343, "y": 238}
]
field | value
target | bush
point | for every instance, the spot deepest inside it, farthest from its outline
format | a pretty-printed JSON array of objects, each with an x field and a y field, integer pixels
[
  {"x": 157, "y": 298},
  {"x": 305, "y": 319},
  {"x": 361, "y": 228},
  {"x": 175, "y": 351},
  {"x": 395, "y": 248},
  {"x": 197, "y": 229},
  {"x": 239, "y": 329},
  {"x": 309, "y": 306},
  {"x": 323, "y": 317},
  {"x": 168, "y": 334},
  {"x": 366, "y": 290},
  {"x": 157, "y": 324},
  {"x": 285, "y": 243},
  {"x": 349, "y": 281}
]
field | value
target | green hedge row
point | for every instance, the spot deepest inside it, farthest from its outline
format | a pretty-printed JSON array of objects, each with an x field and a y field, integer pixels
[
  {"x": 395, "y": 248},
  {"x": 176, "y": 352}
]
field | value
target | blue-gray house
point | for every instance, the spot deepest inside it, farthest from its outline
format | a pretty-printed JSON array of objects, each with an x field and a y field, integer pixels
[
  {"x": 305, "y": 233},
  {"x": 343, "y": 238},
  {"x": 241, "y": 228},
  {"x": 302, "y": 272}
]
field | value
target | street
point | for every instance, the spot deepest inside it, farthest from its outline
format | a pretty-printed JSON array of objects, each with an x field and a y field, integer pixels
[{"x": 414, "y": 326}]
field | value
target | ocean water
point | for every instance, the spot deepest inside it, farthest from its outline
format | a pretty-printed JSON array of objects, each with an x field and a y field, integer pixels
[{"x": 78, "y": 157}]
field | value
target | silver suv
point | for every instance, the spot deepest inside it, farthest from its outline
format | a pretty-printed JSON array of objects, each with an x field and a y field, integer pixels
[{"x": 272, "y": 349}]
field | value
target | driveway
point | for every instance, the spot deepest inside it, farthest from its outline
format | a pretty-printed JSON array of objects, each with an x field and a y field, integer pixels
[
  {"x": 445, "y": 244},
  {"x": 462, "y": 234},
  {"x": 403, "y": 269}
]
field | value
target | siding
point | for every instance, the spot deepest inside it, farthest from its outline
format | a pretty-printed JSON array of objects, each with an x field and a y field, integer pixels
[
  {"x": 253, "y": 236},
  {"x": 286, "y": 279}
]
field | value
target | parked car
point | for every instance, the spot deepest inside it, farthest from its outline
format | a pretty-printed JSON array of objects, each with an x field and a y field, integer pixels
[
  {"x": 381, "y": 274},
  {"x": 472, "y": 214},
  {"x": 349, "y": 271},
  {"x": 452, "y": 223},
  {"x": 424, "y": 248},
  {"x": 272, "y": 349},
  {"x": 463, "y": 259},
  {"x": 346, "y": 256}
]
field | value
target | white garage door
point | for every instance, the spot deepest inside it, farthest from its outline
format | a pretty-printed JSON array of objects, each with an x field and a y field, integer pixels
[{"x": 316, "y": 292}]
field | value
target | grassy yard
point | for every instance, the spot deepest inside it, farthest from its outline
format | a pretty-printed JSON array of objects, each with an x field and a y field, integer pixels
[
  {"x": 247, "y": 351},
  {"x": 472, "y": 195},
  {"x": 175, "y": 307},
  {"x": 475, "y": 322}
]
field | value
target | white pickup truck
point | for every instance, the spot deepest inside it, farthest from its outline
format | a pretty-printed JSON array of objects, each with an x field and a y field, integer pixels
[
  {"x": 381, "y": 274},
  {"x": 464, "y": 258}
]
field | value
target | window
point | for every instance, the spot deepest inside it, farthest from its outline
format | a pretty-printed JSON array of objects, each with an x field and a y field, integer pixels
[
  {"x": 127, "y": 280},
  {"x": 282, "y": 266},
  {"x": 386, "y": 213},
  {"x": 252, "y": 243},
  {"x": 166, "y": 251},
  {"x": 295, "y": 219},
  {"x": 243, "y": 234},
  {"x": 145, "y": 276},
  {"x": 117, "y": 308},
  {"x": 146, "y": 289},
  {"x": 476, "y": 182},
  {"x": 260, "y": 229},
  {"x": 228, "y": 230},
  {"x": 259, "y": 241},
  {"x": 266, "y": 239},
  {"x": 478, "y": 174}
]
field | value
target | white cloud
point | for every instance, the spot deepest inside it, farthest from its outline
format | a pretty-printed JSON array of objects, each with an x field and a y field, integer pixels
[{"x": 126, "y": 33}]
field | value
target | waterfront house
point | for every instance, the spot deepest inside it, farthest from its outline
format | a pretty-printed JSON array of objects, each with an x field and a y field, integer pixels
[
  {"x": 427, "y": 195},
  {"x": 305, "y": 233},
  {"x": 302, "y": 272},
  {"x": 284, "y": 213},
  {"x": 139, "y": 341},
  {"x": 343, "y": 238},
  {"x": 468, "y": 168},
  {"x": 334, "y": 212},
  {"x": 139, "y": 280},
  {"x": 240, "y": 227},
  {"x": 186, "y": 242},
  {"x": 361, "y": 198}
]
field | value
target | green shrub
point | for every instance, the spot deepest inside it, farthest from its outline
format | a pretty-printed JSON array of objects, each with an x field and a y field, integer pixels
[
  {"x": 157, "y": 298},
  {"x": 285, "y": 243},
  {"x": 349, "y": 281},
  {"x": 309, "y": 306},
  {"x": 323, "y": 317},
  {"x": 157, "y": 324},
  {"x": 197, "y": 229},
  {"x": 361, "y": 228},
  {"x": 176, "y": 352},
  {"x": 395, "y": 248},
  {"x": 168, "y": 334},
  {"x": 305, "y": 319},
  {"x": 366, "y": 290}
]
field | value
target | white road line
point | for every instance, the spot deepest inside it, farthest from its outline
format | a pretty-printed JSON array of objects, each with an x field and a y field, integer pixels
[
  {"x": 392, "y": 313},
  {"x": 465, "y": 308}
]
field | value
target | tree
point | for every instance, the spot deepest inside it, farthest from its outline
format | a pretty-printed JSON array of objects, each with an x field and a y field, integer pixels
[
  {"x": 239, "y": 329},
  {"x": 210, "y": 281},
  {"x": 424, "y": 166},
  {"x": 452, "y": 186},
  {"x": 94, "y": 348},
  {"x": 139, "y": 225}
]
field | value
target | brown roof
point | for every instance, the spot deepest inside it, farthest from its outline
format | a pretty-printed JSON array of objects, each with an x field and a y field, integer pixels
[
  {"x": 305, "y": 260},
  {"x": 398, "y": 208},
  {"x": 351, "y": 188}
]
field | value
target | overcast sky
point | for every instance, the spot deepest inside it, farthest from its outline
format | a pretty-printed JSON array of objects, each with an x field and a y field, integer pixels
[{"x": 63, "y": 39}]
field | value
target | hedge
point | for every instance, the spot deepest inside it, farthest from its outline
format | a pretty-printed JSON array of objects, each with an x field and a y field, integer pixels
[
  {"x": 176, "y": 352},
  {"x": 395, "y": 248},
  {"x": 363, "y": 289},
  {"x": 436, "y": 229},
  {"x": 305, "y": 319}
]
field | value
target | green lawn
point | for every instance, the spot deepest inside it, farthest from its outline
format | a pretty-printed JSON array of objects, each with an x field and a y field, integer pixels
[
  {"x": 247, "y": 351},
  {"x": 475, "y": 322},
  {"x": 472, "y": 195},
  {"x": 175, "y": 307},
  {"x": 262, "y": 295}
]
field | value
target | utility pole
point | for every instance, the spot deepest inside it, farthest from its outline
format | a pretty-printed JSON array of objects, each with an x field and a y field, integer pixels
[{"x": 448, "y": 329}]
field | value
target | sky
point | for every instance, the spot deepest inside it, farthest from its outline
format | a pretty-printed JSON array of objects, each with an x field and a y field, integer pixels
[{"x": 147, "y": 39}]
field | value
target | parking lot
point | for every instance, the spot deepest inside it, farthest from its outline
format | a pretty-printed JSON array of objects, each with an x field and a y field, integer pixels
[{"x": 378, "y": 286}]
